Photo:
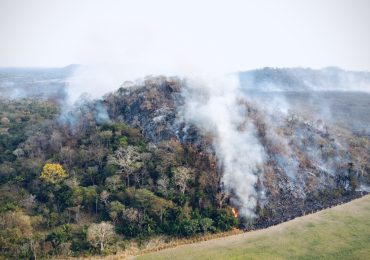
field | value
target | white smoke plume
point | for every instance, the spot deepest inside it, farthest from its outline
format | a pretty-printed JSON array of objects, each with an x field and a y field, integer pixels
[
  {"x": 214, "y": 106},
  {"x": 212, "y": 103}
]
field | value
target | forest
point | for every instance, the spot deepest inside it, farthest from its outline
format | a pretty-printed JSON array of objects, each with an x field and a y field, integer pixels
[
  {"x": 56, "y": 181},
  {"x": 110, "y": 172}
]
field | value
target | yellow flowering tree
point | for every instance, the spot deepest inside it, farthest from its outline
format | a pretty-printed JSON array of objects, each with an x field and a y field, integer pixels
[{"x": 53, "y": 173}]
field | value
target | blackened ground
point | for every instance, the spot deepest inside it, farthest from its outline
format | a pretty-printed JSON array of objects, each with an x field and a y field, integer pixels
[{"x": 289, "y": 208}]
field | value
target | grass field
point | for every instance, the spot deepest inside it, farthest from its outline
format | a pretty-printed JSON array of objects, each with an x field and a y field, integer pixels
[{"x": 342, "y": 232}]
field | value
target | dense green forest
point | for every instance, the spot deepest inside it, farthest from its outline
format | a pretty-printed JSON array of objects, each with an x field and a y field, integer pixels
[{"x": 57, "y": 180}]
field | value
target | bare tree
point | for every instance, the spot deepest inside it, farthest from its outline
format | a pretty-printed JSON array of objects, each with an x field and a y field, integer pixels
[
  {"x": 104, "y": 196},
  {"x": 128, "y": 161},
  {"x": 67, "y": 155},
  {"x": 100, "y": 234},
  {"x": 220, "y": 199},
  {"x": 181, "y": 176},
  {"x": 56, "y": 141},
  {"x": 133, "y": 215},
  {"x": 29, "y": 201},
  {"x": 106, "y": 136},
  {"x": 5, "y": 121},
  {"x": 163, "y": 184},
  {"x": 19, "y": 153}
]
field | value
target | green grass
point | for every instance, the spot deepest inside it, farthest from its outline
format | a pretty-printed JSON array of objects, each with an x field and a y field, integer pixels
[{"x": 342, "y": 232}]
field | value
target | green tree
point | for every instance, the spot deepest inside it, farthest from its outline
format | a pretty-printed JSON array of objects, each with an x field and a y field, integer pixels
[
  {"x": 115, "y": 208},
  {"x": 150, "y": 202},
  {"x": 189, "y": 227},
  {"x": 205, "y": 224}
]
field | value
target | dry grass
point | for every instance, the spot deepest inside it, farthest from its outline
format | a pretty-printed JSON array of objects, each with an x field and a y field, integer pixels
[{"x": 160, "y": 243}]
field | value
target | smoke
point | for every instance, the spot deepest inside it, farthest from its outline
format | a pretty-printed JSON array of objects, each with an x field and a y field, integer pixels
[
  {"x": 305, "y": 79},
  {"x": 85, "y": 106},
  {"x": 215, "y": 106},
  {"x": 126, "y": 42},
  {"x": 302, "y": 109},
  {"x": 336, "y": 96},
  {"x": 96, "y": 80},
  {"x": 213, "y": 103},
  {"x": 101, "y": 114}
]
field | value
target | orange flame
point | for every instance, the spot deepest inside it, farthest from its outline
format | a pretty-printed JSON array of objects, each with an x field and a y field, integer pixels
[{"x": 235, "y": 212}]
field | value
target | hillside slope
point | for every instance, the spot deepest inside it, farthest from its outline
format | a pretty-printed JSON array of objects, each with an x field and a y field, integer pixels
[
  {"x": 342, "y": 232},
  {"x": 165, "y": 157}
]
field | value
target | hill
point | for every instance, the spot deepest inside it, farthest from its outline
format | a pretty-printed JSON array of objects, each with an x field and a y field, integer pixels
[
  {"x": 164, "y": 157},
  {"x": 341, "y": 232}
]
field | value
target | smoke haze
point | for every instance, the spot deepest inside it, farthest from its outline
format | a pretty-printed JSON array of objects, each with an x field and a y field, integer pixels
[{"x": 119, "y": 41}]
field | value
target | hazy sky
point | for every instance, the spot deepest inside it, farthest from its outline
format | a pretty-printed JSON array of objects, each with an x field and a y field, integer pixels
[{"x": 185, "y": 35}]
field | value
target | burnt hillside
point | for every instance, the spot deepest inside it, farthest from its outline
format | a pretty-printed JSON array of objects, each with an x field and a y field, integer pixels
[{"x": 139, "y": 164}]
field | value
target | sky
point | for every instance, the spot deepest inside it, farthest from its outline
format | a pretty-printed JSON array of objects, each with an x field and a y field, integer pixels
[{"x": 171, "y": 36}]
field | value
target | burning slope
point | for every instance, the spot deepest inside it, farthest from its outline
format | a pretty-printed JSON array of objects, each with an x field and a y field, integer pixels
[
  {"x": 274, "y": 155},
  {"x": 307, "y": 164},
  {"x": 217, "y": 108},
  {"x": 166, "y": 156}
]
